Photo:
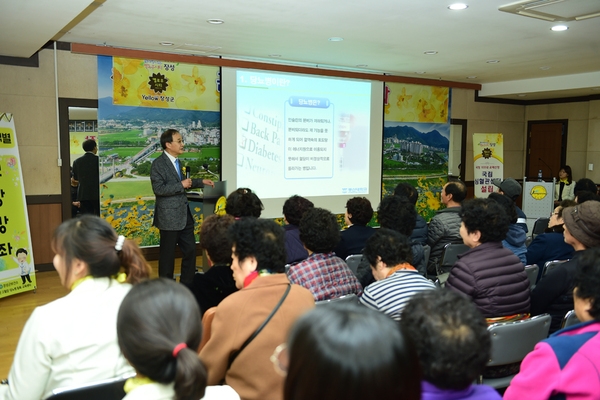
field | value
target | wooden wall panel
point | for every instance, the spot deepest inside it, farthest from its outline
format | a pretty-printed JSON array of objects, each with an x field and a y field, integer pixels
[{"x": 43, "y": 220}]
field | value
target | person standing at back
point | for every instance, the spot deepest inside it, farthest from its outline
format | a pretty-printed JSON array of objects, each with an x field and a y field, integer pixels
[
  {"x": 172, "y": 216},
  {"x": 419, "y": 233},
  {"x": 86, "y": 176}
]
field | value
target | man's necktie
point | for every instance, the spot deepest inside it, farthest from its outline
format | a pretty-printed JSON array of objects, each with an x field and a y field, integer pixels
[{"x": 178, "y": 167}]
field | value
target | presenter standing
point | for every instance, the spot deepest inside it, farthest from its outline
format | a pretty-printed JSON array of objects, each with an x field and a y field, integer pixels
[{"x": 172, "y": 216}]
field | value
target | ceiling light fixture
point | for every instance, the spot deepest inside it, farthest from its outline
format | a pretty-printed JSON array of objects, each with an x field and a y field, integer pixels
[
  {"x": 420, "y": 72},
  {"x": 335, "y": 39},
  {"x": 492, "y": 61},
  {"x": 362, "y": 66},
  {"x": 275, "y": 55},
  {"x": 215, "y": 21},
  {"x": 458, "y": 6},
  {"x": 166, "y": 43},
  {"x": 545, "y": 68},
  {"x": 559, "y": 28},
  {"x": 430, "y": 52},
  {"x": 471, "y": 77}
]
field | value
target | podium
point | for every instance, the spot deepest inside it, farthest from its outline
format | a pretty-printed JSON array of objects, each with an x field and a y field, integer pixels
[{"x": 538, "y": 200}]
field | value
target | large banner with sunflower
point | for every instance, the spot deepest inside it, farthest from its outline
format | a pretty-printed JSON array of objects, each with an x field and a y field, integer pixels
[
  {"x": 17, "y": 271},
  {"x": 488, "y": 164},
  {"x": 138, "y": 100},
  {"x": 416, "y": 140}
]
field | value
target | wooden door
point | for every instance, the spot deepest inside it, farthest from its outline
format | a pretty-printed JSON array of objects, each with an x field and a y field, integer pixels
[{"x": 546, "y": 148}]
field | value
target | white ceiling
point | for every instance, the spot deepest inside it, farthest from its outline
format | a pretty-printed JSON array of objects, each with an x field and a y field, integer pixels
[{"x": 389, "y": 36}]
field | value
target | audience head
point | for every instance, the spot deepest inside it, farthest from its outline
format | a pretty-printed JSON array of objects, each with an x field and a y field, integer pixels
[
  {"x": 509, "y": 187},
  {"x": 257, "y": 245},
  {"x": 584, "y": 196},
  {"x": 455, "y": 191},
  {"x": 565, "y": 173},
  {"x": 243, "y": 203},
  {"x": 587, "y": 286},
  {"x": 90, "y": 246},
  {"x": 386, "y": 249},
  {"x": 89, "y": 145},
  {"x": 213, "y": 238},
  {"x": 483, "y": 220},
  {"x": 556, "y": 222},
  {"x": 582, "y": 225},
  {"x": 359, "y": 211},
  {"x": 585, "y": 184},
  {"x": 397, "y": 213},
  {"x": 450, "y": 336},
  {"x": 407, "y": 190},
  {"x": 294, "y": 208},
  {"x": 319, "y": 230},
  {"x": 507, "y": 204},
  {"x": 167, "y": 137},
  {"x": 347, "y": 352},
  {"x": 159, "y": 330}
]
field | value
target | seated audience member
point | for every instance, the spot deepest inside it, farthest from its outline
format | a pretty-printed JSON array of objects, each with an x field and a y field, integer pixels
[
  {"x": 73, "y": 340},
  {"x": 398, "y": 214},
  {"x": 551, "y": 245},
  {"x": 452, "y": 342},
  {"x": 293, "y": 210},
  {"x": 159, "y": 329},
  {"x": 585, "y": 185},
  {"x": 512, "y": 189},
  {"x": 347, "y": 352},
  {"x": 491, "y": 275},
  {"x": 564, "y": 189},
  {"x": 566, "y": 365},
  {"x": 584, "y": 196},
  {"x": 212, "y": 286},
  {"x": 323, "y": 273},
  {"x": 358, "y": 214},
  {"x": 554, "y": 292},
  {"x": 389, "y": 255},
  {"x": 243, "y": 203},
  {"x": 259, "y": 271},
  {"x": 515, "y": 237},
  {"x": 444, "y": 227},
  {"x": 419, "y": 233}
]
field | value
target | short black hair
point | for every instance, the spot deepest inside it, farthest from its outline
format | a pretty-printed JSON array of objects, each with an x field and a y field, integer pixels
[
  {"x": 260, "y": 238},
  {"x": 587, "y": 279},
  {"x": 585, "y": 184},
  {"x": 458, "y": 190},
  {"x": 487, "y": 217},
  {"x": 397, "y": 213},
  {"x": 392, "y": 247},
  {"x": 295, "y": 207},
  {"x": 450, "y": 336},
  {"x": 584, "y": 196},
  {"x": 319, "y": 230},
  {"x": 244, "y": 203},
  {"x": 213, "y": 238},
  {"x": 360, "y": 209},
  {"x": 407, "y": 190},
  {"x": 507, "y": 204},
  {"x": 167, "y": 137},
  {"x": 21, "y": 250},
  {"x": 345, "y": 351},
  {"x": 89, "y": 145}
]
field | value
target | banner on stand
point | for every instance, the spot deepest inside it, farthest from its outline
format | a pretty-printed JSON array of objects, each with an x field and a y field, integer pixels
[{"x": 488, "y": 164}]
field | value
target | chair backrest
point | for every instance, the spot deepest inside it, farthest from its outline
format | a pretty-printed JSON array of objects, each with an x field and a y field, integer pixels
[
  {"x": 348, "y": 298},
  {"x": 512, "y": 341},
  {"x": 108, "y": 389},
  {"x": 207, "y": 319},
  {"x": 569, "y": 319},
  {"x": 426, "y": 253},
  {"x": 539, "y": 226},
  {"x": 450, "y": 255},
  {"x": 532, "y": 274},
  {"x": 550, "y": 265},
  {"x": 353, "y": 260}
]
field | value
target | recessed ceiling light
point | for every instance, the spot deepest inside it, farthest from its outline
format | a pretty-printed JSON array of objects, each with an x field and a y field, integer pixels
[
  {"x": 430, "y": 52},
  {"x": 544, "y": 68},
  {"x": 492, "y": 61},
  {"x": 166, "y": 43},
  {"x": 275, "y": 55},
  {"x": 215, "y": 21},
  {"x": 458, "y": 6},
  {"x": 362, "y": 66},
  {"x": 335, "y": 39},
  {"x": 471, "y": 77},
  {"x": 559, "y": 28},
  {"x": 420, "y": 72}
]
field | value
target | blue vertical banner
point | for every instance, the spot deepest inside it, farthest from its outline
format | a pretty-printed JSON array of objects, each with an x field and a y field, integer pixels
[{"x": 17, "y": 271}]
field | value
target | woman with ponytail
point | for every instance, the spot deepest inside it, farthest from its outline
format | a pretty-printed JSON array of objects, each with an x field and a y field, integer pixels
[
  {"x": 159, "y": 330},
  {"x": 73, "y": 340}
]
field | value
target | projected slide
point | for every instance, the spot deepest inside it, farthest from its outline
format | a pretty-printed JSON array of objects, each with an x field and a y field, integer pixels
[{"x": 302, "y": 134}]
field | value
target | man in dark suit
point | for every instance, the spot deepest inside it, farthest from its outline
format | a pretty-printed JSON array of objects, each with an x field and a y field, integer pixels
[
  {"x": 172, "y": 216},
  {"x": 86, "y": 175}
]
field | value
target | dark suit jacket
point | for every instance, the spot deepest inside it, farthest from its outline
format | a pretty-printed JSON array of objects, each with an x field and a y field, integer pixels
[
  {"x": 353, "y": 240},
  {"x": 170, "y": 209},
  {"x": 86, "y": 172}
]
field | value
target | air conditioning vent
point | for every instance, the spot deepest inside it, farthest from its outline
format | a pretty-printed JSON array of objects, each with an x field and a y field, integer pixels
[{"x": 555, "y": 10}]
